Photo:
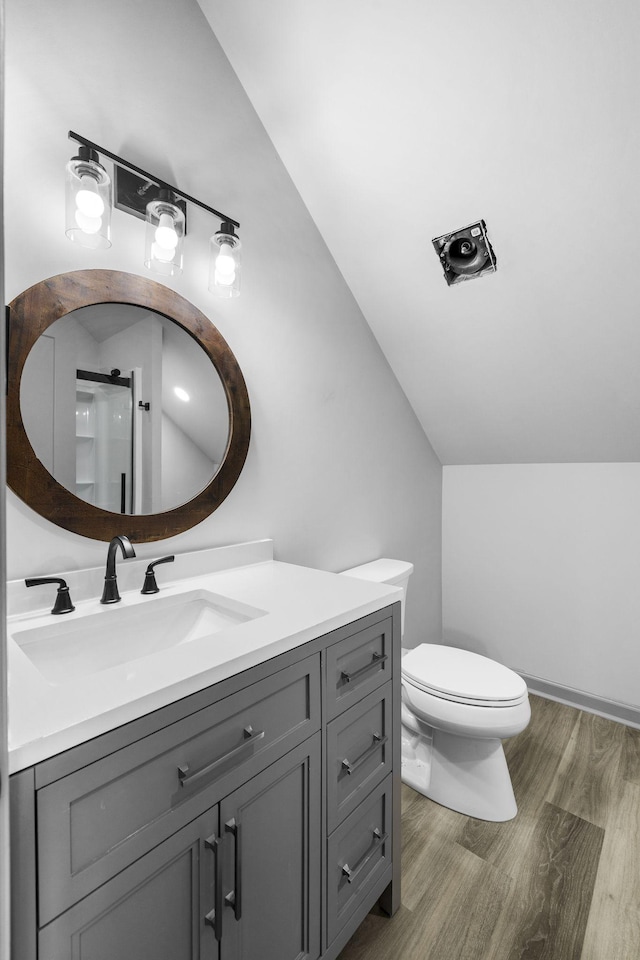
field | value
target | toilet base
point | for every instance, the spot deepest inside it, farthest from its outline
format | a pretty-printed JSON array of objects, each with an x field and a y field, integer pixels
[
  {"x": 416, "y": 760},
  {"x": 465, "y": 774}
]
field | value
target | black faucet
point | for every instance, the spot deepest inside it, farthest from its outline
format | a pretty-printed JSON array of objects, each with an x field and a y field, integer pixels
[{"x": 110, "y": 593}]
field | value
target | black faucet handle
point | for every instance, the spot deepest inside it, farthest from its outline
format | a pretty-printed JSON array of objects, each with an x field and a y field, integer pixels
[
  {"x": 63, "y": 597},
  {"x": 150, "y": 584}
]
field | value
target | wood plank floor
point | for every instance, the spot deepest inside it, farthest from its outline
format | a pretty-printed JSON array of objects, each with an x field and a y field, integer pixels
[{"x": 559, "y": 882}]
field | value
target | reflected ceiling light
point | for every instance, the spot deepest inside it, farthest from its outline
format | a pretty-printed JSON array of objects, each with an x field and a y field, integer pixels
[
  {"x": 181, "y": 394},
  {"x": 160, "y": 204},
  {"x": 88, "y": 200}
]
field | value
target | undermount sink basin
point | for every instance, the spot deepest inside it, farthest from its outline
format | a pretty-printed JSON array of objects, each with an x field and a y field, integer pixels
[{"x": 76, "y": 646}]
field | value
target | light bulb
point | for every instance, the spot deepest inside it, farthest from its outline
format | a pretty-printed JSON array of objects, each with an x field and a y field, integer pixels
[
  {"x": 225, "y": 265},
  {"x": 224, "y": 279},
  {"x": 88, "y": 200},
  {"x": 160, "y": 252},
  {"x": 166, "y": 235},
  {"x": 88, "y": 224}
]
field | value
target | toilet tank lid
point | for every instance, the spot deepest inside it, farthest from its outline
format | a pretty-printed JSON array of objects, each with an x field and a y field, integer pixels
[{"x": 383, "y": 570}]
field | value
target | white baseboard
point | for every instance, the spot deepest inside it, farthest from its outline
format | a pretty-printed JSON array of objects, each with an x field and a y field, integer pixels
[{"x": 611, "y": 709}]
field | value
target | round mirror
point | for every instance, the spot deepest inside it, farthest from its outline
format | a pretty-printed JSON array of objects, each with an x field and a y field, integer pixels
[{"x": 126, "y": 409}]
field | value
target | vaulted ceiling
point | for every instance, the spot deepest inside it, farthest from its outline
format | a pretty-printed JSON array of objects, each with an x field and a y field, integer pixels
[{"x": 399, "y": 122}]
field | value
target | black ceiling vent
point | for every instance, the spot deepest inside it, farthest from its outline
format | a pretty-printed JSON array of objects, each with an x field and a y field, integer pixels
[{"x": 466, "y": 253}]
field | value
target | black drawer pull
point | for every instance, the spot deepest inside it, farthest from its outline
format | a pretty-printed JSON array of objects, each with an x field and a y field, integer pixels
[
  {"x": 250, "y": 737},
  {"x": 214, "y": 917},
  {"x": 378, "y": 658},
  {"x": 378, "y": 839},
  {"x": 234, "y": 899},
  {"x": 378, "y": 741}
]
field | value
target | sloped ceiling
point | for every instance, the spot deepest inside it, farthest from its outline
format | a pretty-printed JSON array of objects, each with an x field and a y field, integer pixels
[{"x": 399, "y": 122}]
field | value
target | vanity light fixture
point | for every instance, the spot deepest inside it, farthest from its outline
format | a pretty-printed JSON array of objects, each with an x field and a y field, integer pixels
[
  {"x": 147, "y": 197},
  {"x": 88, "y": 200},
  {"x": 224, "y": 262},
  {"x": 164, "y": 235}
]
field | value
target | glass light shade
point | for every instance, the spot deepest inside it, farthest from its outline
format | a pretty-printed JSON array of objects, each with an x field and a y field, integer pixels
[
  {"x": 88, "y": 201},
  {"x": 225, "y": 263},
  {"x": 164, "y": 238}
]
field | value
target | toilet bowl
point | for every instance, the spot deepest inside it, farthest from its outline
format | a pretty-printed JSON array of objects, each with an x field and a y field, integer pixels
[{"x": 457, "y": 708}]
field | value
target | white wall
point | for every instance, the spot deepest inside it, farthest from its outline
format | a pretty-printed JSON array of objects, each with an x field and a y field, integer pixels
[
  {"x": 541, "y": 570},
  {"x": 339, "y": 470},
  {"x": 186, "y": 470}
]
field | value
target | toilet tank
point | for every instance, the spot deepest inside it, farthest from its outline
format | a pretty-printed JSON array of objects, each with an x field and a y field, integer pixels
[{"x": 384, "y": 570}]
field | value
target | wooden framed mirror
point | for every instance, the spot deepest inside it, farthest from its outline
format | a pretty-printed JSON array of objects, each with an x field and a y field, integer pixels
[{"x": 166, "y": 470}]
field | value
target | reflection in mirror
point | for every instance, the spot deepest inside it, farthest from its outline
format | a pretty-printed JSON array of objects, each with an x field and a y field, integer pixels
[
  {"x": 120, "y": 406},
  {"x": 31, "y": 316}
]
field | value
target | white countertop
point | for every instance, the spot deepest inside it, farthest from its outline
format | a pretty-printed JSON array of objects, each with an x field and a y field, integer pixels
[{"x": 299, "y": 604}]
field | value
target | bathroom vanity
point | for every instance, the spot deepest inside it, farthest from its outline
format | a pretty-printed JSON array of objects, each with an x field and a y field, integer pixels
[{"x": 235, "y": 796}]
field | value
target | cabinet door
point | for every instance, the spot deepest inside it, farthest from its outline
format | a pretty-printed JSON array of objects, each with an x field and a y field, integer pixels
[
  {"x": 272, "y": 865},
  {"x": 162, "y": 907},
  {"x": 98, "y": 820}
]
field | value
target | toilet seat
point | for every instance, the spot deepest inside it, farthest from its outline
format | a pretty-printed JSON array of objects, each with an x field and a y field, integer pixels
[{"x": 462, "y": 677}]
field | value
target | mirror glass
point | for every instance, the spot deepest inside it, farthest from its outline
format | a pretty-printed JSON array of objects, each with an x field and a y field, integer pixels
[
  {"x": 124, "y": 408},
  {"x": 123, "y": 398}
]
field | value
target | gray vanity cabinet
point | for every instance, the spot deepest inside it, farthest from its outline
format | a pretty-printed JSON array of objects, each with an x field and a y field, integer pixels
[
  {"x": 239, "y": 882},
  {"x": 101, "y": 817},
  {"x": 257, "y": 819}
]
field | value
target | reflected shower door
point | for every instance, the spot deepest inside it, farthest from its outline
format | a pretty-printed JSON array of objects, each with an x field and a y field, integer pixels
[{"x": 104, "y": 440}]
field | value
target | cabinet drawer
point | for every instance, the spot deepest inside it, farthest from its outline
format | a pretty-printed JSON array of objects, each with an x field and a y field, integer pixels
[
  {"x": 359, "y": 752},
  {"x": 357, "y": 665},
  {"x": 359, "y": 851},
  {"x": 100, "y": 819}
]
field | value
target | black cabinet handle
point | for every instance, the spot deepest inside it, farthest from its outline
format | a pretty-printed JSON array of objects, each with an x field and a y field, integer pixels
[
  {"x": 378, "y": 741},
  {"x": 378, "y": 658},
  {"x": 251, "y": 736},
  {"x": 234, "y": 898},
  {"x": 214, "y": 917},
  {"x": 378, "y": 840}
]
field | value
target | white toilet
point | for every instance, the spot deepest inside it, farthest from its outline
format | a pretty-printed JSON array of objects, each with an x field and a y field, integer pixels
[{"x": 457, "y": 707}]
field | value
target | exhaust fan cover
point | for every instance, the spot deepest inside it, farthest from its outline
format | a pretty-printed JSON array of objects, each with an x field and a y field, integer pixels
[{"x": 466, "y": 253}]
